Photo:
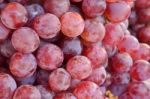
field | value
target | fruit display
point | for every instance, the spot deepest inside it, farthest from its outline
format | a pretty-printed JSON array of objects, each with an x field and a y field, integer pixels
[{"x": 74, "y": 49}]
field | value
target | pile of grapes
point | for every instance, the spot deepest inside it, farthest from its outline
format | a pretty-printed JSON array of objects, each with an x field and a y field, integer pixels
[{"x": 74, "y": 49}]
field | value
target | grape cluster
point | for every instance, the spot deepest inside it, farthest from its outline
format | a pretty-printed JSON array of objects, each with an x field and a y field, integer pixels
[{"x": 74, "y": 49}]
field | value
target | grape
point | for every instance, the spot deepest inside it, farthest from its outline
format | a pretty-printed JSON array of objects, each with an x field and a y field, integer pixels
[
  {"x": 48, "y": 61},
  {"x": 47, "y": 26},
  {"x": 142, "y": 3},
  {"x": 65, "y": 95},
  {"x": 71, "y": 47},
  {"x": 46, "y": 93},
  {"x": 57, "y": 7},
  {"x": 124, "y": 26},
  {"x": 100, "y": 19},
  {"x": 74, "y": 49},
  {"x": 88, "y": 44},
  {"x": 121, "y": 78},
  {"x": 74, "y": 8},
  {"x": 111, "y": 50},
  {"x": 27, "y": 92},
  {"x": 117, "y": 11},
  {"x": 122, "y": 62},
  {"x": 14, "y": 15},
  {"x": 129, "y": 44},
  {"x": 26, "y": 80},
  {"x": 42, "y": 77},
  {"x": 133, "y": 18},
  {"x": 93, "y": 8},
  {"x": 2, "y": 5},
  {"x": 7, "y": 86},
  {"x": 140, "y": 70},
  {"x": 143, "y": 15},
  {"x": 96, "y": 54},
  {"x": 74, "y": 83},
  {"x": 34, "y": 10},
  {"x": 6, "y": 48},
  {"x": 143, "y": 52},
  {"x": 125, "y": 95},
  {"x": 87, "y": 89},
  {"x": 137, "y": 27},
  {"x": 22, "y": 65},
  {"x": 94, "y": 31},
  {"x": 114, "y": 34},
  {"x": 138, "y": 90},
  {"x": 25, "y": 40},
  {"x": 144, "y": 34},
  {"x": 4, "y": 32},
  {"x": 98, "y": 76},
  {"x": 72, "y": 24},
  {"x": 79, "y": 67},
  {"x": 59, "y": 80},
  {"x": 117, "y": 89}
]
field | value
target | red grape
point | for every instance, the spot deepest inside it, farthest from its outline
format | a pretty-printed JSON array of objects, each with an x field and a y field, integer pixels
[
  {"x": 94, "y": 31},
  {"x": 117, "y": 11},
  {"x": 140, "y": 70},
  {"x": 96, "y": 54},
  {"x": 121, "y": 78},
  {"x": 143, "y": 52},
  {"x": 75, "y": 8},
  {"x": 144, "y": 34},
  {"x": 65, "y": 95},
  {"x": 6, "y": 48},
  {"x": 26, "y": 80},
  {"x": 117, "y": 89},
  {"x": 88, "y": 90},
  {"x": 129, "y": 44},
  {"x": 57, "y": 7},
  {"x": 98, "y": 76},
  {"x": 71, "y": 47},
  {"x": 122, "y": 62},
  {"x": 133, "y": 18},
  {"x": 114, "y": 34},
  {"x": 46, "y": 93},
  {"x": 47, "y": 25},
  {"x": 14, "y": 15},
  {"x": 4, "y": 32},
  {"x": 74, "y": 83},
  {"x": 93, "y": 8},
  {"x": 25, "y": 40},
  {"x": 138, "y": 90},
  {"x": 111, "y": 50},
  {"x": 7, "y": 86},
  {"x": 143, "y": 15},
  {"x": 142, "y": 3},
  {"x": 72, "y": 24},
  {"x": 59, "y": 80},
  {"x": 42, "y": 77},
  {"x": 22, "y": 65},
  {"x": 79, "y": 67},
  {"x": 125, "y": 95},
  {"x": 34, "y": 10},
  {"x": 27, "y": 92},
  {"x": 48, "y": 61}
]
